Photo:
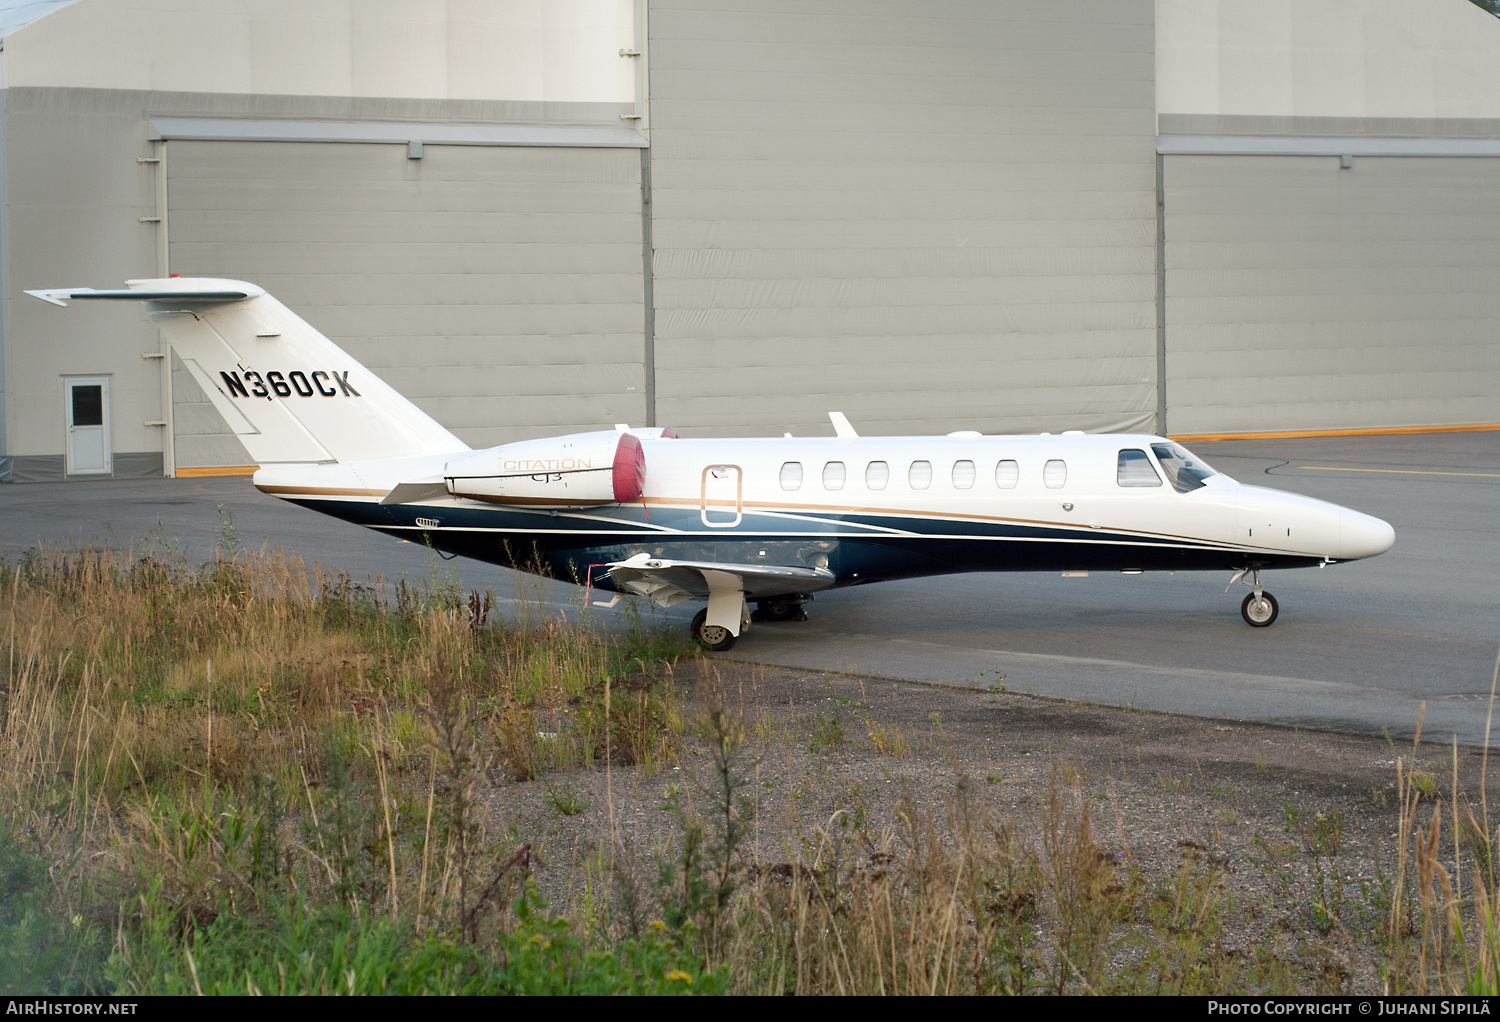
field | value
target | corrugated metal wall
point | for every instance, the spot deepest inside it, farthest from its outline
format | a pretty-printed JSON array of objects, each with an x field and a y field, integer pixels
[
  {"x": 1301, "y": 295},
  {"x": 930, "y": 214},
  {"x": 500, "y": 288}
]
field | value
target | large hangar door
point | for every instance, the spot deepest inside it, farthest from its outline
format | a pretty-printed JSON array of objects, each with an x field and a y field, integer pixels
[
  {"x": 500, "y": 288},
  {"x": 930, "y": 216},
  {"x": 1305, "y": 295}
]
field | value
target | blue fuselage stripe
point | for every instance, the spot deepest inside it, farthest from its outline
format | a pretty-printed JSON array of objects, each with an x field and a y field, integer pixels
[{"x": 857, "y": 547}]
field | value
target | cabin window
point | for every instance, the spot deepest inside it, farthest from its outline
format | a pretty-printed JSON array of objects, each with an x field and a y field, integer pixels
[
  {"x": 1184, "y": 470},
  {"x": 877, "y": 474},
  {"x": 1055, "y": 473},
  {"x": 963, "y": 475},
  {"x": 1135, "y": 470},
  {"x": 1007, "y": 474},
  {"x": 919, "y": 475},
  {"x": 833, "y": 475},
  {"x": 791, "y": 475}
]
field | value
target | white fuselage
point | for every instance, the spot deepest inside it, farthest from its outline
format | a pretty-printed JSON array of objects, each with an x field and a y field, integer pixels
[{"x": 969, "y": 495}]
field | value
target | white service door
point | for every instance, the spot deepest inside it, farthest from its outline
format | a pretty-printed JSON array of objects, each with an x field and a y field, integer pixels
[{"x": 86, "y": 405}]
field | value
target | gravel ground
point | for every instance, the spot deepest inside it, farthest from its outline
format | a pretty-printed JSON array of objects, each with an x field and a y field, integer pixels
[{"x": 1304, "y": 822}]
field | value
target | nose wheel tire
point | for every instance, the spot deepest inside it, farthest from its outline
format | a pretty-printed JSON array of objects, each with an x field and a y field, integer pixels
[
  {"x": 714, "y": 638},
  {"x": 1259, "y": 611}
]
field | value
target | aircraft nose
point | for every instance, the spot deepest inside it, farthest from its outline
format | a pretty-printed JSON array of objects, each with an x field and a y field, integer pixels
[{"x": 1363, "y": 535}]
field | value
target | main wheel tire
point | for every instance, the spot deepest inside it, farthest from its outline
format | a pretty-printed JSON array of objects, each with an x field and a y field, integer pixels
[
  {"x": 714, "y": 638},
  {"x": 1259, "y": 612},
  {"x": 779, "y": 610}
]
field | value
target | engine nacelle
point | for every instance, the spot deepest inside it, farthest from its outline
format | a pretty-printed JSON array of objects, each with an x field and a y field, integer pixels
[{"x": 581, "y": 470}]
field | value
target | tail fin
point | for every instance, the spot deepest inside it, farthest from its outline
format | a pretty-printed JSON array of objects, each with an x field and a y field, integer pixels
[{"x": 290, "y": 393}]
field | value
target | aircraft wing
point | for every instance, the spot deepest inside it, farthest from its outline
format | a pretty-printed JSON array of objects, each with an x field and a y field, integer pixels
[{"x": 667, "y": 581}]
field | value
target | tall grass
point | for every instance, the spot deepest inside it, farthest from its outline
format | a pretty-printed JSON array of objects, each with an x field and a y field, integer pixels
[
  {"x": 259, "y": 776},
  {"x": 204, "y": 745},
  {"x": 1442, "y": 942}
]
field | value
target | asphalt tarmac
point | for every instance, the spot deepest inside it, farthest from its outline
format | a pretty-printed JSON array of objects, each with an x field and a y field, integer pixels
[{"x": 1357, "y": 647}]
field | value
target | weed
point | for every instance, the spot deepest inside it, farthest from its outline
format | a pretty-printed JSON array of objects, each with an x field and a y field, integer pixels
[
  {"x": 293, "y": 949},
  {"x": 698, "y": 884},
  {"x": 1322, "y": 834},
  {"x": 827, "y": 734},
  {"x": 888, "y": 741},
  {"x": 1422, "y": 782},
  {"x": 40, "y": 951},
  {"x": 1274, "y": 849},
  {"x": 566, "y": 800}
]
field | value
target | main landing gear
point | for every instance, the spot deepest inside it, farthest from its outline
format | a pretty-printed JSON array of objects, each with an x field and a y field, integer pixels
[
  {"x": 716, "y": 638},
  {"x": 1259, "y": 608},
  {"x": 783, "y": 609}
]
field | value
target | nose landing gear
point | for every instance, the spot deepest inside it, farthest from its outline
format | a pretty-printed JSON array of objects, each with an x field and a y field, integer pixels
[
  {"x": 1259, "y": 611},
  {"x": 1259, "y": 608}
]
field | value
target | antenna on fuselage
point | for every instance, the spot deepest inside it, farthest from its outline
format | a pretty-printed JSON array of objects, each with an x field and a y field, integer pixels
[{"x": 841, "y": 425}]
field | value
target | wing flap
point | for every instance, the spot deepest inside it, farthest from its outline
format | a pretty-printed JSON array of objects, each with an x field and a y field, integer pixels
[{"x": 658, "y": 577}]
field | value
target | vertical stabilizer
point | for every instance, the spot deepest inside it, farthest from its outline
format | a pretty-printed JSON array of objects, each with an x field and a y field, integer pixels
[{"x": 289, "y": 393}]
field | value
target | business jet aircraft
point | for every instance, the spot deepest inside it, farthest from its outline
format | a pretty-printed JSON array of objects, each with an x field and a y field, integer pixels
[{"x": 769, "y": 521}]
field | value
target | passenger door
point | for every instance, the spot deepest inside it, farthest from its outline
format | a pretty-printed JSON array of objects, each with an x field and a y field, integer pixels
[{"x": 720, "y": 505}]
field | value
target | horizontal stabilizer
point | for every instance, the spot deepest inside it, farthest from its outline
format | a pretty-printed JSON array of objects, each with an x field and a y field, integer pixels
[{"x": 203, "y": 296}]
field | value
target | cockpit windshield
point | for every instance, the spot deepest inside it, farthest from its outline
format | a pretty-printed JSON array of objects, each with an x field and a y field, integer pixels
[{"x": 1185, "y": 471}]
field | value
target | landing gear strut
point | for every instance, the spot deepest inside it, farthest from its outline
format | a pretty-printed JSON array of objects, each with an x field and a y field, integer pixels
[
  {"x": 783, "y": 609},
  {"x": 716, "y": 638},
  {"x": 1259, "y": 608}
]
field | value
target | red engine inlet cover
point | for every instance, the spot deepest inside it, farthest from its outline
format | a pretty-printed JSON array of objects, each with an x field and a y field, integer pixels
[{"x": 629, "y": 470}]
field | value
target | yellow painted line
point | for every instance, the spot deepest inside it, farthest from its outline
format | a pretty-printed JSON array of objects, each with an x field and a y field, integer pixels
[
  {"x": 219, "y": 470},
  {"x": 1288, "y": 434},
  {"x": 1399, "y": 471}
]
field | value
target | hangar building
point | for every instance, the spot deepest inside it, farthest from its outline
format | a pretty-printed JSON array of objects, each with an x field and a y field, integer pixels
[{"x": 730, "y": 216}]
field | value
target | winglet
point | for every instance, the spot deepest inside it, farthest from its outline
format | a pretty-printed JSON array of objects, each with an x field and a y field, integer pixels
[
  {"x": 57, "y": 297},
  {"x": 841, "y": 425}
]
